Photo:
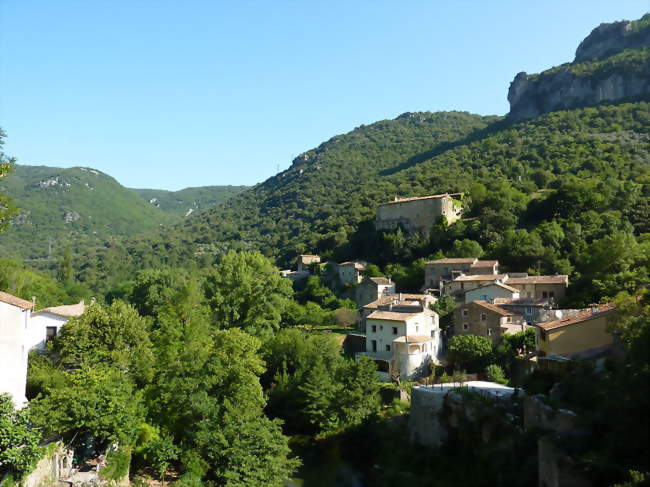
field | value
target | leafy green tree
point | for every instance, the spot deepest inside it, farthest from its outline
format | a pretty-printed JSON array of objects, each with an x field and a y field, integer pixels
[
  {"x": 155, "y": 288},
  {"x": 19, "y": 439},
  {"x": 466, "y": 248},
  {"x": 6, "y": 207},
  {"x": 245, "y": 291},
  {"x": 100, "y": 400},
  {"x": 114, "y": 335},
  {"x": 470, "y": 352},
  {"x": 494, "y": 373},
  {"x": 445, "y": 306}
]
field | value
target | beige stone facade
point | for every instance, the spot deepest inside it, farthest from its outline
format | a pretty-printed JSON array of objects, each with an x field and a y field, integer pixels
[
  {"x": 486, "y": 319},
  {"x": 373, "y": 288},
  {"x": 418, "y": 214},
  {"x": 539, "y": 287},
  {"x": 437, "y": 271}
]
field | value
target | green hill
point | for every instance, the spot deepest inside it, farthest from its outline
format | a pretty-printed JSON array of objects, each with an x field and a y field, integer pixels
[
  {"x": 78, "y": 206},
  {"x": 189, "y": 200},
  {"x": 577, "y": 175}
]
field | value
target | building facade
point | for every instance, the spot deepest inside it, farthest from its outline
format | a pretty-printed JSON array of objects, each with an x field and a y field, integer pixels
[
  {"x": 540, "y": 287},
  {"x": 440, "y": 270},
  {"x": 372, "y": 288},
  {"x": 418, "y": 214},
  {"x": 45, "y": 324},
  {"x": 14, "y": 322},
  {"x": 486, "y": 319},
  {"x": 351, "y": 272}
]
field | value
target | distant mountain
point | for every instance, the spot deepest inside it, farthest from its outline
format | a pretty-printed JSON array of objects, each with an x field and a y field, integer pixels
[
  {"x": 612, "y": 63},
  {"x": 187, "y": 201},
  {"x": 60, "y": 207}
]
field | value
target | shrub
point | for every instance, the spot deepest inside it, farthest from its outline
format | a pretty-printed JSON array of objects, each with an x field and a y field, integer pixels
[
  {"x": 470, "y": 351},
  {"x": 495, "y": 373}
]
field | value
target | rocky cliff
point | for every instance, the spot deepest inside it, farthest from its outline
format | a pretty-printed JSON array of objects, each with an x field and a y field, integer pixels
[{"x": 612, "y": 63}]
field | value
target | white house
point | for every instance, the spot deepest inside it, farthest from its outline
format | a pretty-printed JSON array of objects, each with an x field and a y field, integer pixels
[
  {"x": 490, "y": 292},
  {"x": 46, "y": 323},
  {"x": 402, "y": 337},
  {"x": 14, "y": 321}
]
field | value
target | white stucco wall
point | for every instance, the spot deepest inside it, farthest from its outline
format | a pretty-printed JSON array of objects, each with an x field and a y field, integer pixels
[
  {"x": 488, "y": 293},
  {"x": 13, "y": 351},
  {"x": 37, "y": 327}
]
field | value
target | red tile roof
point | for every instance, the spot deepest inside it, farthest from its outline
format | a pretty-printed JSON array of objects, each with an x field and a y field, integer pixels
[
  {"x": 460, "y": 260},
  {"x": 559, "y": 279},
  {"x": 15, "y": 301},
  {"x": 586, "y": 315}
]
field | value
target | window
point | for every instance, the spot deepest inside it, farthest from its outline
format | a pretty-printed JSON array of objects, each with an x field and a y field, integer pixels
[
  {"x": 484, "y": 297},
  {"x": 465, "y": 326},
  {"x": 381, "y": 327},
  {"x": 50, "y": 333},
  {"x": 394, "y": 330},
  {"x": 551, "y": 294},
  {"x": 489, "y": 330},
  {"x": 388, "y": 348},
  {"x": 417, "y": 329},
  {"x": 465, "y": 312},
  {"x": 544, "y": 294},
  {"x": 509, "y": 319},
  {"x": 483, "y": 317},
  {"x": 374, "y": 328},
  {"x": 529, "y": 311},
  {"x": 374, "y": 345}
]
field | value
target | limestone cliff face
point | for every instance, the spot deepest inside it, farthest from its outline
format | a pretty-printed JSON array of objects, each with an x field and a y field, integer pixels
[
  {"x": 608, "y": 39},
  {"x": 612, "y": 63}
]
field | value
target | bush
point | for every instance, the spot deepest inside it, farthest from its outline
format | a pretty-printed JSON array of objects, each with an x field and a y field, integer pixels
[
  {"x": 495, "y": 373},
  {"x": 470, "y": 351}
]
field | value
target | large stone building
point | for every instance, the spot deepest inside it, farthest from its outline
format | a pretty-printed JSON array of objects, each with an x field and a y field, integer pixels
[
  {"x": 351, "y": 272},
  {"x": 486, "y": 319},
  {"x": 551, "y": 287},
  {"x": 418, "y": 214},
  {"x": 440, "y": 270}
]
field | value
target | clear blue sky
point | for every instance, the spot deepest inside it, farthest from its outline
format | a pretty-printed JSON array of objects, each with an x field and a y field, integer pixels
[{"x": 169, "y": 94}]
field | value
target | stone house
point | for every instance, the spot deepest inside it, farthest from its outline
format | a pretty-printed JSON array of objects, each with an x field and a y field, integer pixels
[
  {"x": 552, "y": 287},
  {"x": 418, "y": 214},
  {"x": 439, "y": 270},
  {"x": 305, "y": 262},
  {"x": 402, "y": 336},
  {"x": 372, "y": 288},
  {"x": 581, "y": 335},
  {"x": 46, "y": 323},
  {"x": 490, "y": 292},
  {"x": 15, "y": 314},
  {"x": 532, "y": 309},
  {"x": 486, "y": 319},
  {"x": 459, "y": 286},
  {"x": 351, "y": 272}
]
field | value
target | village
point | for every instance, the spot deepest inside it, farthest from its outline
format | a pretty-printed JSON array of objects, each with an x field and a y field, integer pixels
[{"x": 400, "y": 332}]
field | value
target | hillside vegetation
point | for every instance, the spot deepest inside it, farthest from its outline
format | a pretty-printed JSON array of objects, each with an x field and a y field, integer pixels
[
  {"x": 186, "y": 201},
  {"x": 539, "y": 193}
]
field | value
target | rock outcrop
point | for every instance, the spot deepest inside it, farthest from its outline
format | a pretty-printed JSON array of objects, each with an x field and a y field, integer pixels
[{"x": 612, "y": 63}]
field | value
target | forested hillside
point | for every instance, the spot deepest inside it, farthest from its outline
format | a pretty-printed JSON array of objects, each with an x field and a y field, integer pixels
[
  {"x": 79, "y": 206},
  {"x": 539, "y": 194},
  {"x": 186, "y": 201}
]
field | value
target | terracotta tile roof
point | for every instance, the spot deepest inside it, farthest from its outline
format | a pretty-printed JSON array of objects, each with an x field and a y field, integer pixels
[
  {"x": 357, "y": 265},
  {"x": 65, "y": 311},
  {"x": 485, "y": 263},
  {"x": 386, "y": 300},
  {"x": 493, "y": 307},
  {"x": 523, "y": 301},
  {"x": 390, "y": 316},
  {"x": 559, "y": 279},
  {"x": 462, "y": 260},
  {"x": 586, "y": 315},
  {"x": 416, "y": 198},
  {"x": 481, "y": 277},
  {"x": 381, "y": 280},
  {"x": 500, "y": 284},
  {"x": 15, "y": 301},
  {"x": 413, "y": 339}
]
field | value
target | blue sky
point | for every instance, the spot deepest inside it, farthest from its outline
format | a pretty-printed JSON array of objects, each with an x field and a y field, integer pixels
[{"x": 170, "y": 94}]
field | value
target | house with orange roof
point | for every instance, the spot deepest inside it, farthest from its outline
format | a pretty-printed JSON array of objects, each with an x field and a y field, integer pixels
[
  {"x": 583, "y": 334},
  {"x": 486, "y": 319},
  {"x": 418, "y": 214},
  {"x": 402, "y": 335}
]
